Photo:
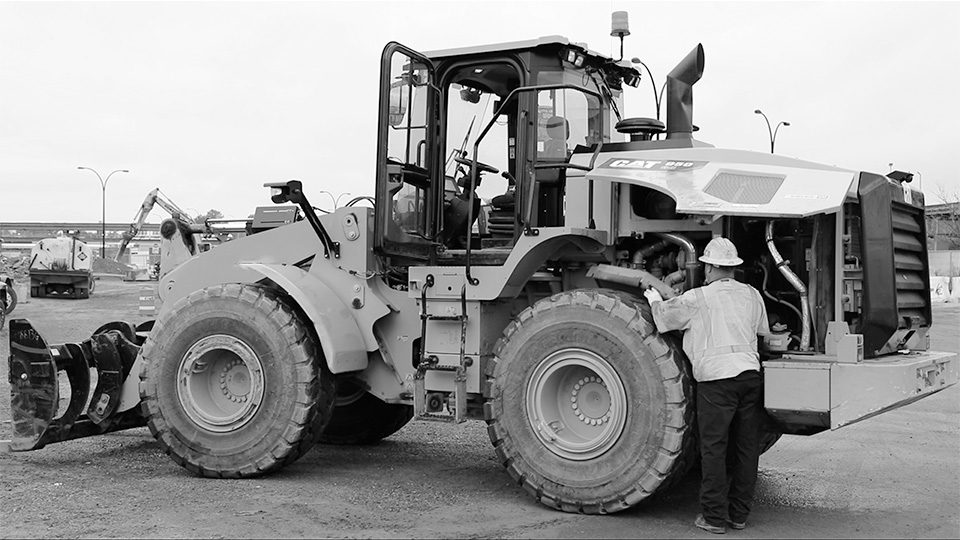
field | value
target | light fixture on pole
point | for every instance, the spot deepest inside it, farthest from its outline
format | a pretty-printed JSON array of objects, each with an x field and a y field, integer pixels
[
  {"x": 103, "y": 207},
  {"x": 771, "y": 131}
]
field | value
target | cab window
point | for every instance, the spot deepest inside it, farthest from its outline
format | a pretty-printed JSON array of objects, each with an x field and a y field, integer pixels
[{"x": 566, "y": 118}]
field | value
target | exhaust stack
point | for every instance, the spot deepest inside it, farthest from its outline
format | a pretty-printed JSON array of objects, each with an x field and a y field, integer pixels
[{"x": 680, "y": 83}]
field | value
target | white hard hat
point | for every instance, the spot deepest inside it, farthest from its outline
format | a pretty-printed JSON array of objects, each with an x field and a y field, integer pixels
[{"x": 721, "y": 252}]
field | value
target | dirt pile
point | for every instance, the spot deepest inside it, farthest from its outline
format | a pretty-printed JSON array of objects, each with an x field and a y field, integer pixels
[
  {"x": 17, "y": 268},
  {"x": 108, "y": 266}
]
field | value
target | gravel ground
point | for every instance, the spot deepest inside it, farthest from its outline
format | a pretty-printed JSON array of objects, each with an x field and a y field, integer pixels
[{"x": 895, "y": 475}]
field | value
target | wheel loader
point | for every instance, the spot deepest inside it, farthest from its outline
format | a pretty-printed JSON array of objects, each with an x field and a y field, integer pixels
[{"x": 493, "y": 280}]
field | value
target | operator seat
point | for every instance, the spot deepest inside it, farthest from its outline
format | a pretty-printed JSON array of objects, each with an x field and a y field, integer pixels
[
  {"x": 502, "y": 220},
  {"x": 456, "y": 214}
]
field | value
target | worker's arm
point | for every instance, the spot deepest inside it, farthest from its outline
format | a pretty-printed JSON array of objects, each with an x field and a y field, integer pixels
[
  {"x": 675, "y": 313},
  {"x": 763, "y": 323}
]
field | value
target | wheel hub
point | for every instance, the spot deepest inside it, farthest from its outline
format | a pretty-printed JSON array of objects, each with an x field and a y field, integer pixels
[
  {"x": 221, "y": 383},
  {"x": 235, "y": 381},
  {"x": 590, "y": 400},
  {"x": 576, "y": 404}
]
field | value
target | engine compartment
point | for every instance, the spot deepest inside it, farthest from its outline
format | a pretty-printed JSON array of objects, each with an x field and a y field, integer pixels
[{"x": 861, "y": 266}]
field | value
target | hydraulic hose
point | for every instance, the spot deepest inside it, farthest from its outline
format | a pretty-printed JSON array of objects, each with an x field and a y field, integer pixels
[
  {"x": 797, "y": 284},
  {"x": 773, "y": 298}
]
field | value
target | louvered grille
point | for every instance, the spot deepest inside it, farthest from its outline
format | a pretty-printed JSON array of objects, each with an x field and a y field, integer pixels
[{"x": 908, "y": 245}]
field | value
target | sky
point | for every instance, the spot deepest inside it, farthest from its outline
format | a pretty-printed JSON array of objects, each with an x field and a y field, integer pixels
[{"x": 208, "y": 101}]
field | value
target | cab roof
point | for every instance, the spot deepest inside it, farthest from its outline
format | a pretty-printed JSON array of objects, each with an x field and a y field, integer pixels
[{"x": 512, "y": 46}]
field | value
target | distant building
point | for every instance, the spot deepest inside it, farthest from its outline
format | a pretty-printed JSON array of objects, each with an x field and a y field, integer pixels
[{"x": 943, "y": 226}]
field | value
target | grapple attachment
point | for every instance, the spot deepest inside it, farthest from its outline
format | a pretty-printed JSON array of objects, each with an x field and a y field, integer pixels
[{"x": 35, "y": 384}]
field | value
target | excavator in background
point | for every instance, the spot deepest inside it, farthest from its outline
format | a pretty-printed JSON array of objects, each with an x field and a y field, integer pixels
[
  {"x": 178, "y": 215},
  {"x": 188, "y": 237}
]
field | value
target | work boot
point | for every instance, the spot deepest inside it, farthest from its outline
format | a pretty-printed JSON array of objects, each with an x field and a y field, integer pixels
[
  {"x": 701, "y": 523},
  {"x": 737, "y": 525}
]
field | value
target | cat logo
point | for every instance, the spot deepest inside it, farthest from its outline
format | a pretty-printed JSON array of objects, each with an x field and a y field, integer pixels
[{"x": 653, "y": 165}]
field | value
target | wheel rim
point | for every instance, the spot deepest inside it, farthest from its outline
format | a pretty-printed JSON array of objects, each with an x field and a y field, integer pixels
[
  {"x": 220, "y": 383},
  {"x": 576, "y": 404}
]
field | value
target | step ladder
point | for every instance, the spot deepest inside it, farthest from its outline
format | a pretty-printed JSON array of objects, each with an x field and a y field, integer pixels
[{"x": 430, "y": 362}]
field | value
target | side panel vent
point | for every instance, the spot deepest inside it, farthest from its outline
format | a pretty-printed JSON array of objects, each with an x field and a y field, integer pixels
[{"x": 744, "y": 188}]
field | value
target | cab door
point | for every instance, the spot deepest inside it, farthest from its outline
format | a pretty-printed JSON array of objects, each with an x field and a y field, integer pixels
[{"x": 409, "y": 178}]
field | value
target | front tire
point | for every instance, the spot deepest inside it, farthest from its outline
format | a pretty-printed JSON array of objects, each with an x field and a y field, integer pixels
[
  {"x": 233, "y": 384},
  {"x": 589, "y": 409}
]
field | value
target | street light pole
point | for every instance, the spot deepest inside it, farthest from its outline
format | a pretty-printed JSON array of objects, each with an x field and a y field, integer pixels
[
  {"x": 103, "y": 207},
  {"x": 771, "y": 132}
]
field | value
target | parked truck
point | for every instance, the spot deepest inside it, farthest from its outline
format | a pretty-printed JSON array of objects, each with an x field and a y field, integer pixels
[
  {"x": 61, "y": 267},
  {"x": 341, "y": 328}
]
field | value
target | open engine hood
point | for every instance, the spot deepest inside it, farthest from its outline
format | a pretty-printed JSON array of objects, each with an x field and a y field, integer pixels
[{"x": 713, "y": 181}]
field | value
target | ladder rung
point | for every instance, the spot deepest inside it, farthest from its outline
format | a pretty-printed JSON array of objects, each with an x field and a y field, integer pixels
[{"x": 435, "y": 367}]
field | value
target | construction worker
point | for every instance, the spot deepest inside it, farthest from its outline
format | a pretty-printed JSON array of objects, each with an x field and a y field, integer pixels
[{"x": 721, "y": 322}]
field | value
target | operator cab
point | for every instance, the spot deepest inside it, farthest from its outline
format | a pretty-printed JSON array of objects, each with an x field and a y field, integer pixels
[{"x": 474, "y": 144}]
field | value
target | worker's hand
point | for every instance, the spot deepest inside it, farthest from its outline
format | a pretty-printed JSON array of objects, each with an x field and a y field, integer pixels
[{"x": 652, "y": 296}]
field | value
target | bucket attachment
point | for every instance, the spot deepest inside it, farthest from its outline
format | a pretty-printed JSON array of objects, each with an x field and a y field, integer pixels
[{"x": 35, "y": 384}]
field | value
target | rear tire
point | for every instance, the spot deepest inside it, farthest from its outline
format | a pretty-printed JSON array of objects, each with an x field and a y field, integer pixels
[
  {"x": 588, "y": 408},
  {"x": 359, "y": 417},
  {"x": 233, "y": 384}
]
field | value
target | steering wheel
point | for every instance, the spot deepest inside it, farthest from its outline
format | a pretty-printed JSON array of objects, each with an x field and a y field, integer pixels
[{"x": 481, "y": 167}]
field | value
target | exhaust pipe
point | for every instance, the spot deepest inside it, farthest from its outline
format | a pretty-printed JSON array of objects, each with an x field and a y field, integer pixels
[
  {"x": 692, "y": 266},
  {"x": 680, "y": 83}
]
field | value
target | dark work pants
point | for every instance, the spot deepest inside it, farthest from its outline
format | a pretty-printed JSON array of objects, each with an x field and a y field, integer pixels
[{"x": 729, "y": 413}]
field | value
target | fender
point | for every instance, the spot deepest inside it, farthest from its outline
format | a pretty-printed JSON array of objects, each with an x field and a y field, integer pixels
[
  {"x": 343, "y": 341},
  {"x": 340, "y": 337}
]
